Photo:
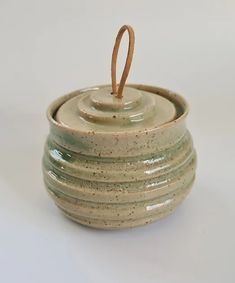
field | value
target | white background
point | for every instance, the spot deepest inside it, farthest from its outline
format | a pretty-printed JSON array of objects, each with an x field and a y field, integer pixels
[{"x": 49, "y": 48}]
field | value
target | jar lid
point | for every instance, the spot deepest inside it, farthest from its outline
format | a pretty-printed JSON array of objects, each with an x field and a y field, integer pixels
[
  {"x": 116, "y": 109},
  {"x": 99, "y": 110}
]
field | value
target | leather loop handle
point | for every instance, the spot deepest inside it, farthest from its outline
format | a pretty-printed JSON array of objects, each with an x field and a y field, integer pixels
[{"x": 115, "y": 91}]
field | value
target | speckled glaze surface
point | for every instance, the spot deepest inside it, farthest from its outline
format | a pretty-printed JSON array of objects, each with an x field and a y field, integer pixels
[{"x": 122, "y": 164}]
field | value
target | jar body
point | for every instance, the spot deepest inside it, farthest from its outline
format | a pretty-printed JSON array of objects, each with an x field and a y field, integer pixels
[{"x": 118, "y": 180}]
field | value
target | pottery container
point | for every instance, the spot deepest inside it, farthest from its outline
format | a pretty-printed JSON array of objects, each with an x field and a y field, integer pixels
[{"x": 119, "y": 179}]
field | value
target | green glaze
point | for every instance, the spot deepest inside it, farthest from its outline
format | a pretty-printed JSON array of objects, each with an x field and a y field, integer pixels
[{"x": 112, "y": 175}]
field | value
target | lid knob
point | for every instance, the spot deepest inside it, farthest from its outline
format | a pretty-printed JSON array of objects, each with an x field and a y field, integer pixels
[{"x": 118, "y": 91}]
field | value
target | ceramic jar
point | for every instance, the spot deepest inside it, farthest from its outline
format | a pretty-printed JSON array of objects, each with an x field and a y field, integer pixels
[{"x": 112, "y": 162}]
